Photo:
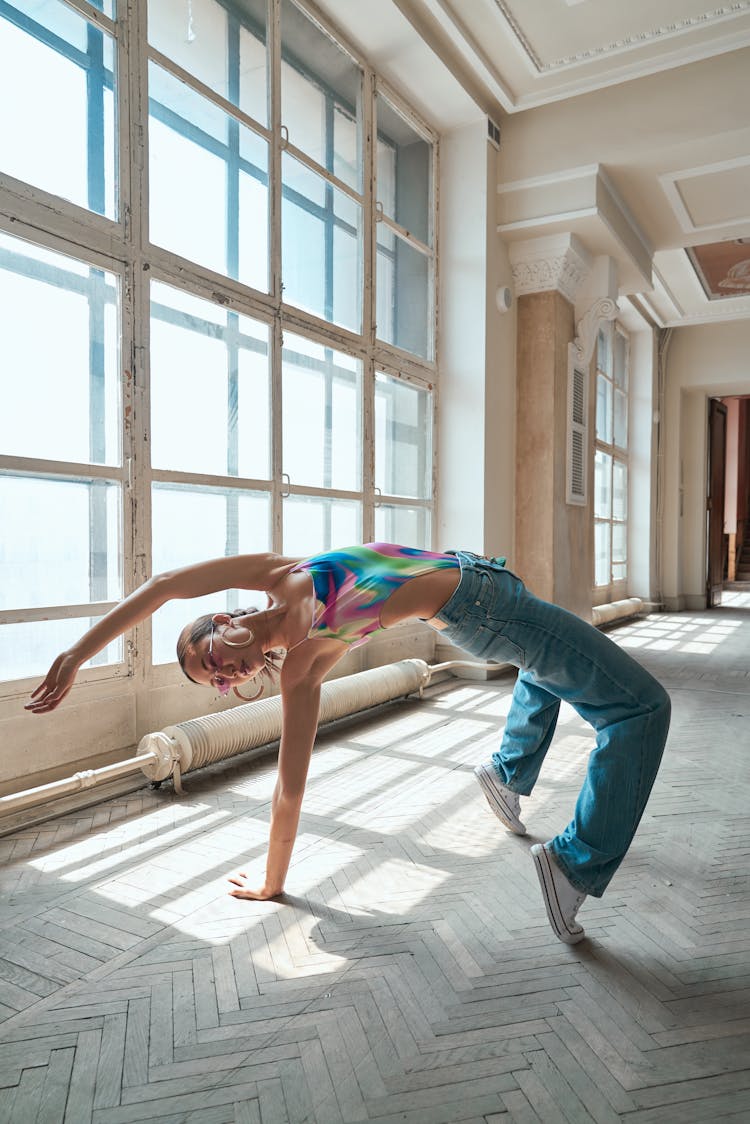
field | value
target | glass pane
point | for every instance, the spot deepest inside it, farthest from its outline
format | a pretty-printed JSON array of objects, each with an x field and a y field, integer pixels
[
  {"x": 208, "y": 183},
  {"x": 603, "y": 409},
  {"x": 619, "y": 545},
  {"x": 621, "y": 361},
  {"x": 621, "y": 420},
  {"x": 60, "y": 133},
  {"x": 68, "y": 553},
  {"x": 406, "y": 526},
  {"x": 321, "y": 94},
  {"x": 322, "y": 415},
  {"x": 210, "y": 388},
  {"x": 223, "y": 45},
  {"x": 28, "y": 649},
  {"x": 602, "y": 485},
  {"x": 619, "y": 490},
  {"x": 404, "y": 172},
  {"x": 604, "y": 351},
  {"x": 602, "y": 557},
  {"x": 191, "y": 524},
  {"x": 59, "y": 344},
  {"x": 321, "y": 247},
  {"x": 315, "y": 523},
  {"x": 404, "y": 295},
  {"x": 403, "y": 439}
]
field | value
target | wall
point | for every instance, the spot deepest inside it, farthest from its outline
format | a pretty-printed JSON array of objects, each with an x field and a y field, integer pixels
[
  {"x": 477, "y": 353},
  {"x": 710, "y": 360}
]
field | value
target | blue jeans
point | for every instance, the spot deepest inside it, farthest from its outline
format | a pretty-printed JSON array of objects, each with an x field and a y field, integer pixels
[{"x": 494, "y": 617}]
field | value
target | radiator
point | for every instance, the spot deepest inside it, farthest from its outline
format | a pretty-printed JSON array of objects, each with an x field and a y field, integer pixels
[{"x": 201, "y": 741}]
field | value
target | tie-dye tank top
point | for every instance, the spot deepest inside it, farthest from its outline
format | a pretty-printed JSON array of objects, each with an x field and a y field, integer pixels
[{"x": 352, "y": 585}]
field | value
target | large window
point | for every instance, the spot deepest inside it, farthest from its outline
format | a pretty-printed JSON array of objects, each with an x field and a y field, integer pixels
[
  {"x": 611, "y": 458},
  {"x": 61, "y": 473},
  {"x": 217, "y": 307}
]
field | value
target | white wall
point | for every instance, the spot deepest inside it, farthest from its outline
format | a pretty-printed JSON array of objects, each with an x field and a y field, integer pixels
[
  {"x": 705, "y": 361},
  {"x": 642, "y": 574},
  {"x": 477, "y": 353}
]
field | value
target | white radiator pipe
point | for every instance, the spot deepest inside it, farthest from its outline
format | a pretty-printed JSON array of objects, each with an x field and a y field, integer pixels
[
  {"x": 213, "y": 737},
  {"x": 616, "y": 610}
]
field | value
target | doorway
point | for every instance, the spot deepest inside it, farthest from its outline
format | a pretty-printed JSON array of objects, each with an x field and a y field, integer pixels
[{"x": 728, "y": 501}]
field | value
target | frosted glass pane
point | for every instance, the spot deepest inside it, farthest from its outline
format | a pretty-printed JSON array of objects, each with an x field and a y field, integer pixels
[
  {"x": 621, "y": 420},
  {"x": 228, "y": 55},
  {"x": 60, "y": 134},
  {"x": 313, "y": 524},
  {"x": 321, "y": 247},
  {"x": 404, "y": 168},
  {"x": 405, "y": 297},
  {"x": 619, "y": 491},
  {"x": 322, "y": 415},
  {"x": 403, "y": 438},
  {"x": 602, "y": 485},
  {"x": 58, "y": 349},
  {"x": 406, "y": 526},
  {"x": 603, "y": 409},
  {"x": 60, "y": 542},
  {"x": 208, "y": 183},
  {"x": 602, "y": 556},
  {"x": 321, "y": 93},
  {"x": 192, "y": 525},
  {"x": 210, "y": 388},
  {"x": 28, "y": 649}
]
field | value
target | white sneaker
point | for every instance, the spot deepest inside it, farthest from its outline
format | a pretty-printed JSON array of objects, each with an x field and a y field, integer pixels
[
  {"x": 502, "y": 800},
  {"x": 561, "y": 900}
]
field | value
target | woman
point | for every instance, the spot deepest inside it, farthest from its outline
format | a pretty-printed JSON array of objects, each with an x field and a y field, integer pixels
[{"x": 320, "y": 607}]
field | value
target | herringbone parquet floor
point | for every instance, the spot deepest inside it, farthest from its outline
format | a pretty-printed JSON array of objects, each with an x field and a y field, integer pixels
[{"x": 410, "y": 975}]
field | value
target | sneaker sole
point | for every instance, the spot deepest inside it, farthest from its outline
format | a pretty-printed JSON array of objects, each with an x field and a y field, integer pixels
[
  {"x": 498, "y": 806},
  {"x": 562, "y": 931}
]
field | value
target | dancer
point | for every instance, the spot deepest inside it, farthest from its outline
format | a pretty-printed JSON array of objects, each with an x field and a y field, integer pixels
[{"x": 320, "y": 607}]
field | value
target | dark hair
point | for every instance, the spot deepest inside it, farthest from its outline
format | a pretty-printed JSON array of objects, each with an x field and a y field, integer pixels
[{"x": 197, "y": 630}]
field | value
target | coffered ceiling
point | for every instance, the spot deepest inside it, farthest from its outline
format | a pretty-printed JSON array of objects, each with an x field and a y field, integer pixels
[{"x": 627, "y": 123}]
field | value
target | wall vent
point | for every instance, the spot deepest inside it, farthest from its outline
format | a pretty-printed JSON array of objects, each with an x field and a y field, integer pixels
[
  {"x": 577, "y": 432},
  {"x": 493, "y": 133}
]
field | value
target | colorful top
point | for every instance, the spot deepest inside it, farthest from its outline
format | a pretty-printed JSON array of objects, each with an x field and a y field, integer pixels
[{"x": 352, "y": 585}]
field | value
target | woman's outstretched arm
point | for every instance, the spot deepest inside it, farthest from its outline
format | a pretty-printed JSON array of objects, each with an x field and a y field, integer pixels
[
  {"x": 300, "y": 700},
  {"x": 246, "y": 571}
]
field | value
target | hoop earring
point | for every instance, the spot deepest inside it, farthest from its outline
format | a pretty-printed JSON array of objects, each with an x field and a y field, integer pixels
[
  {"x": 234, "y": 644},
  {"x": 248, "y": 698}
]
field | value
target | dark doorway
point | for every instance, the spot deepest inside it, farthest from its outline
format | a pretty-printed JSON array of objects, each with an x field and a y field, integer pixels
[{"x": 717, "y": 433}]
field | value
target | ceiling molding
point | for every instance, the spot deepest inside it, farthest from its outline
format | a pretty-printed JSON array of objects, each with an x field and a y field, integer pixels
[
  {"x": 670, "y": 181},
  {"x": 618, "y": 46},
  {"x": 472, "y": 52}
]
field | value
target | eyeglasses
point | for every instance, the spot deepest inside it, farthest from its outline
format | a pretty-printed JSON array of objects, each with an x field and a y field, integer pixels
[{"x": 222, "y": 685}]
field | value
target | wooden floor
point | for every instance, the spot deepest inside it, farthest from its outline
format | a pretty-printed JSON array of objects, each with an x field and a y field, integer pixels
[{"x": 410, "y": 975}]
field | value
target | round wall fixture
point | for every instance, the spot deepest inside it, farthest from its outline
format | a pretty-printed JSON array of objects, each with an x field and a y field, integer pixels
[{"x": 503, "y": 298}]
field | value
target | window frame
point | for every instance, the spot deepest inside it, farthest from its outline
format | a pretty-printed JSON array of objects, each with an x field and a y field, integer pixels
[
  {"x": 121, "y": 245},
  {"x": 618, "y": 455}
]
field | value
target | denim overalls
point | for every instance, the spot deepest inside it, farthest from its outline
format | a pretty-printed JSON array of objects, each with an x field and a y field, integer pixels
[{"x": 494, "y": 617}]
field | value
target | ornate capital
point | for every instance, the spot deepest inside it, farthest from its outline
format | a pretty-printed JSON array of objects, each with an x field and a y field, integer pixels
[
  {"x": 543, "y": 264},
  {"x": 588, "y": 327}
]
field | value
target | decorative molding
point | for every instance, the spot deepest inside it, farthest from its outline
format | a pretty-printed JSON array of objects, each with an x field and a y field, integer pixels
[
  {"x": 545, "y": 264},
  {"x": 643, "y": 38},
  {"x": 588, "y": 327},
  {"x": 670, "y": 185}
]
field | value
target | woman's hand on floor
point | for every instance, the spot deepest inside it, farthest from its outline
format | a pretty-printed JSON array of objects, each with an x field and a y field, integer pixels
[{"x": 243, "y": 889}]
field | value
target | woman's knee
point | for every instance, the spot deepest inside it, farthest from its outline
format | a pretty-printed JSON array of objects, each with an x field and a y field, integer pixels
[{"x": 662, "y": 704}]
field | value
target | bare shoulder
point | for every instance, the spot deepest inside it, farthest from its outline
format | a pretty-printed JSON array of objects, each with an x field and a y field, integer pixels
[{"x": 310, "y": 662}]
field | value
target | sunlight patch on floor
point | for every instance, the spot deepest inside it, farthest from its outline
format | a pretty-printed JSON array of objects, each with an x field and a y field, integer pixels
[{"x": 677, "y": 633}]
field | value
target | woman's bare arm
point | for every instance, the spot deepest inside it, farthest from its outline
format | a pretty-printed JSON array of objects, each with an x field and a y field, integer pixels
[
  {"x": 245, "y": 571},
  {"x": 300, "y": 698}
]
